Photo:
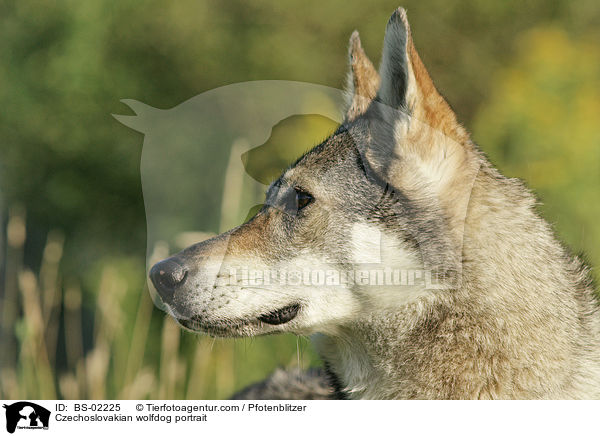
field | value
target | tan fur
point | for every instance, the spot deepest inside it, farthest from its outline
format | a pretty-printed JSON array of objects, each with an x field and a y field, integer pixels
[
  {"x": 363, "y": 81},
  {"x": 523, "y": 324}
]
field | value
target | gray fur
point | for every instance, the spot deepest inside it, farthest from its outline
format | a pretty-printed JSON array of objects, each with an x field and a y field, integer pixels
[
  {"x": 291, "y": 384},
  {"x": 515, "y": 317}
]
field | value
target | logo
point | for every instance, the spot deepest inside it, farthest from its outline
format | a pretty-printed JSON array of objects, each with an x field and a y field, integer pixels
[{"x": 26, "y": 415}]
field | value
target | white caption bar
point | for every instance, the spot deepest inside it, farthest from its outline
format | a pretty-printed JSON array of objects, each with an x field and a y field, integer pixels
[{"x": 298, "y": 417}]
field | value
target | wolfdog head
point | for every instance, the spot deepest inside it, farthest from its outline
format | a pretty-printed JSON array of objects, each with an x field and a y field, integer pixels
[{"x": 364, "y": 222}]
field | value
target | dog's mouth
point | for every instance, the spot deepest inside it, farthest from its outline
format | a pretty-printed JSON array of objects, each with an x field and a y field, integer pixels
[
  {"x": 280, "y": 316},
  {"x": 241, "y": 327}
]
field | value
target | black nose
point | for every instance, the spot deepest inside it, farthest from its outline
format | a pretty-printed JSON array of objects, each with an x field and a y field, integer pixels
[{"x": 167, "y": 276}]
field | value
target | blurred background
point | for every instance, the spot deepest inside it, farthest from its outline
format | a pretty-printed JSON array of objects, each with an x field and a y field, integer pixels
[{"x": 77, "y": 320}]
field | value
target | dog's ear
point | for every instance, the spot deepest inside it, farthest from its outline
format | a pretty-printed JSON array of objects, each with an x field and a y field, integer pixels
[
  {"x": 363, "y": 79},
  {"x": 409, "y": 118},
  {"x": 415, "y": 143},
  {"x": 406, "y": 85}
]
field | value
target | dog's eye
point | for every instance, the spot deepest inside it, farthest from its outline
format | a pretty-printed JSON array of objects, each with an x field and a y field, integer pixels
[{"x": 303, "y": 199}]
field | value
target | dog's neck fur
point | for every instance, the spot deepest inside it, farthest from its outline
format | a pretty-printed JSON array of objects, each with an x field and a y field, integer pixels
[{"x": 469, "y": 342}]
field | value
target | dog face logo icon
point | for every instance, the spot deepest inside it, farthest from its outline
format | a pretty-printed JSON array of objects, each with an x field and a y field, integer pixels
[{"x": 26, "y": 415}]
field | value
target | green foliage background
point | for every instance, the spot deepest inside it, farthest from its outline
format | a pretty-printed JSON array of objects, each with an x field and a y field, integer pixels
[{"x": 523, "y": 76}]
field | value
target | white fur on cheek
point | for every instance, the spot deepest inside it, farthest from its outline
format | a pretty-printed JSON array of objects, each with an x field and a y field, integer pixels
[
  {"x": 366, "y": 243},
  {"x": 387, "y": 260}
]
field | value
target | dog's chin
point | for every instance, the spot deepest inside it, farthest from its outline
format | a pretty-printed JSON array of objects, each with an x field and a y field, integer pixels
[{"x": 270, "y": 322}]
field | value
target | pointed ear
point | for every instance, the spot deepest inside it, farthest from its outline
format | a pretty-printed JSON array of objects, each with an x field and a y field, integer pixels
[
  {"x": 363, "y": 79},
  {"x": 405, "y": 83},
  {"x": 415, "y": 143}
]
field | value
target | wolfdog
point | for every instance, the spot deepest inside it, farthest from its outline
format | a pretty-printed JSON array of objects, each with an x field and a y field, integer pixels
[{"x": 472, "y": 296}]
